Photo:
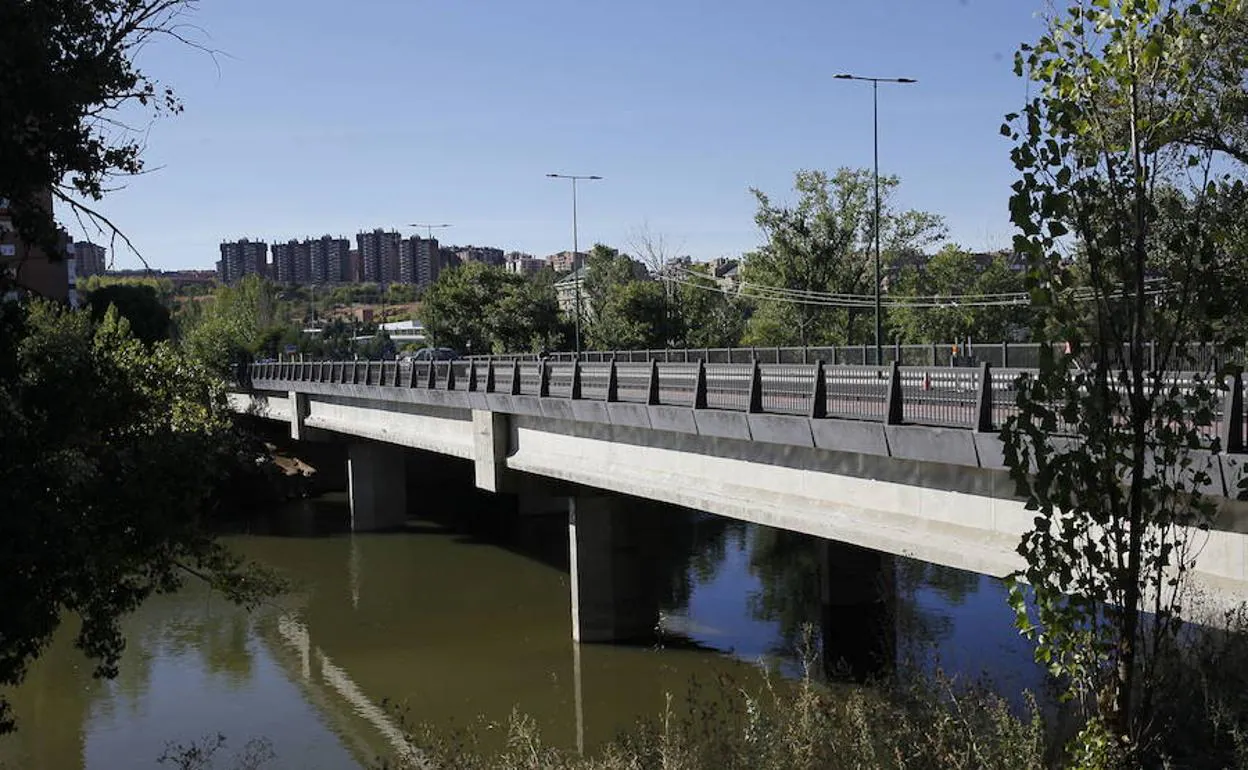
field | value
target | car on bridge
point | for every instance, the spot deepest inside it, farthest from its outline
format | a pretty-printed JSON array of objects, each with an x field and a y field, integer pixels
[{"x": 435, "y": 354}]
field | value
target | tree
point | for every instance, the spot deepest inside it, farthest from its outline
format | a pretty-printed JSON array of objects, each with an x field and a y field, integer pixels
[
  {"x": 940, "y": 313},
  {"x": 822, "y": 245},
  {"x": 480, "y": 308},
  {"x": 623, "y": 309},
  {"x": 1104, "y": 159},
  {"x": 149, "y": 319},
  {"x": 66, "y": 68},
  {"x": 243, "y": 321},
  {"x": 109, "y": 453},
  {"x": 708, "y": 316}
]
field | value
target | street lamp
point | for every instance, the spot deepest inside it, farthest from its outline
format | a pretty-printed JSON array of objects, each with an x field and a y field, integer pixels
[
  {"x": 875, "y": 110},
  {"x": 428, "y": 229},
  {"x": 575, "y": 249}
]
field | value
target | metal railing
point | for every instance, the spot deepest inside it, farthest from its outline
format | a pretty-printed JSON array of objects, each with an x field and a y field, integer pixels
[{"x": 979, "y": 398}]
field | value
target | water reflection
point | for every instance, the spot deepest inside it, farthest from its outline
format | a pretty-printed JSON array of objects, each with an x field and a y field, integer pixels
[{"x": 455, "y": 631}]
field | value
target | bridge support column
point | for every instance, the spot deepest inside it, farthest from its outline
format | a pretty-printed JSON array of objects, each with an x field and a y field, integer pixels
[
  {"x": 376, "y": 483},
  {"x": 490, "y": 438},
  {"x": 298, "y": 411},
  {"x": 858, "y": 592},
  {"x": 613, "y": 567}
]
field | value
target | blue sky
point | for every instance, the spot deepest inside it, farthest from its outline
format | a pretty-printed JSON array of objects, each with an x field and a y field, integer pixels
[{"x": 331, "y": 117}]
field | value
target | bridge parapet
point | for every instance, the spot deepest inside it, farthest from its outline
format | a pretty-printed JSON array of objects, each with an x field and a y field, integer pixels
[{"x": 975, "y": 398}]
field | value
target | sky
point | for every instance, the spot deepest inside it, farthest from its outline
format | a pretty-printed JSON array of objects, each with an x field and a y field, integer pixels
[{"x": 317, "y": 117}]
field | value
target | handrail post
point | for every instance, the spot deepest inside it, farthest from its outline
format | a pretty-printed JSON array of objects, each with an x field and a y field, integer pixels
[
  {"x": 1005, "y": 355},
  {"x": 515, "y": 377},
  {"x": 755, "y": 404},
  {"x": 575, "y": 393},
  {"x": 613, "y": 384},
  {"x": 431, "y": 382},
  {"x": 819, "y": 394},
  {"x": 893, "y": 407},
  {"x": 489, "y": 376},
  {"x": 1233, "y": 415},
  {"x": 472, "y": 376},
  {"x": 699, "y": 388},
  {"x": 450, "y": 375},
  {"x": 543, "y": 380},
  {"x": 652, "y": 392},
  {"x": 983, "y": 415}
]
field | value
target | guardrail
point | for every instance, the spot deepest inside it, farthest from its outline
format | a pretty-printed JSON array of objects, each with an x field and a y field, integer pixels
[
  {"x": 979, "y": 398},
  {"x": 943, "y": 396}
]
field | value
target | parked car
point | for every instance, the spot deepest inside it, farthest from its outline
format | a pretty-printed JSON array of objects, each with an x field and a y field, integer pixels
[{"x": 436, "y": 354}]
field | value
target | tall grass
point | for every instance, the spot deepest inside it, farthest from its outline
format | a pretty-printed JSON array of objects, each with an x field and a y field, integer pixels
[{"x": 784, "y": 725}]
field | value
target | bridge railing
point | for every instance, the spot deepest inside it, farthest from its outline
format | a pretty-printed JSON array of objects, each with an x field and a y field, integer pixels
[{"x": 980, "y": 398}]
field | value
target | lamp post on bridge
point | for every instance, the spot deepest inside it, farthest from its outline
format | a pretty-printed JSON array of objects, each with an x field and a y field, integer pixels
[
  {"x": 576, "y": 279},
  {"x": 875, "y": 111}
]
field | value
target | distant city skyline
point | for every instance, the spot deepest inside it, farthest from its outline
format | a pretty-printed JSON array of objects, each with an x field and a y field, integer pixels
[{"x": 269, "y": 145}]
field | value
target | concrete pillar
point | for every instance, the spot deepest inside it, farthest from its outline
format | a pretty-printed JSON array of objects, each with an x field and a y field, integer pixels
[
  {"x": 490, "y": 440},
  {"x": 298, "y": 411},
  {"x": 614, "y": 574},
  {"x": 377, "y": 487},
  {"x": 858, "y": 592}
]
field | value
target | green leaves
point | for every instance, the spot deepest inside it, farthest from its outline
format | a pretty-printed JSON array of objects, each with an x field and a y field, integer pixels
[
  {"x": 110, "y": 451},
  {"x": 1101, "y": 447},
  {"x": 824, "y": 243},
  {"x": 65, "y": 67},
  {"x": 477, "y": 308}
]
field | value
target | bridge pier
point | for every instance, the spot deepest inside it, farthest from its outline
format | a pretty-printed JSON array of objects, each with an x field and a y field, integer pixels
[
  {"x": 858, "y": 597},
  {"x": 613, "y": 566},
  {"x": 298, "y": 411},
  {"x": 376, "y": 484}
]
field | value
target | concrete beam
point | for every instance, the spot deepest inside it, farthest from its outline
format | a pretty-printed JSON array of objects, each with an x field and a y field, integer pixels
[
  {"x": 613, "y": 569},
  {"x": 376, "y": 484}
]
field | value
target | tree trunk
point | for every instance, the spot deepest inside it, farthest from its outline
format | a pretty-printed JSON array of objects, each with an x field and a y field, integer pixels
[{"x": 1127, "y": 631}]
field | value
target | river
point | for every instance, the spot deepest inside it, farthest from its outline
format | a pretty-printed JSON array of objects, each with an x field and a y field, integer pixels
[{"x": 439, "y": 627}]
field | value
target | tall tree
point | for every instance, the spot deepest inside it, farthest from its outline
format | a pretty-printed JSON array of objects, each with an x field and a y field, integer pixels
[
  {"x": 148, "y": 317},
  {"x": 66, "y": 68},
  {"x": 822, "y": 245},
  {"x": 478, "y": 308},
  {"x": 953, "y": 297},
  {"x": 708, "y": 316},
  {"x": 109, "y": 452},
  {"x": 1103, "y": 151},
  {"x": 623, "y": 309}
]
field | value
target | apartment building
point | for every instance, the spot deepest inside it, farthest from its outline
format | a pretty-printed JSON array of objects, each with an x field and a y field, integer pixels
[
  {"x": 241, "y": 258},
  {"x": 524, "y": 264},
  {"x": 30, "y": 268},
  {"x": 420, "y": 260},
  {"x": 566, "y": 261},
  {"x": 485, "y": 254},
  {"x": 89, "y": 259},
  {"x": 330, "y": 260},
  {"x": 379, "y": 255}
]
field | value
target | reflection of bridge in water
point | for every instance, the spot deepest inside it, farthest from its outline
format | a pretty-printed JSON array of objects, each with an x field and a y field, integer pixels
[
  {"x": 297, "y": 639},
  {"x": 401, "y": 634}
]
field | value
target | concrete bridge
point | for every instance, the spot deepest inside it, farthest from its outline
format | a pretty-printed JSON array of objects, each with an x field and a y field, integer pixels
[{"x": 893, "y": 461}]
